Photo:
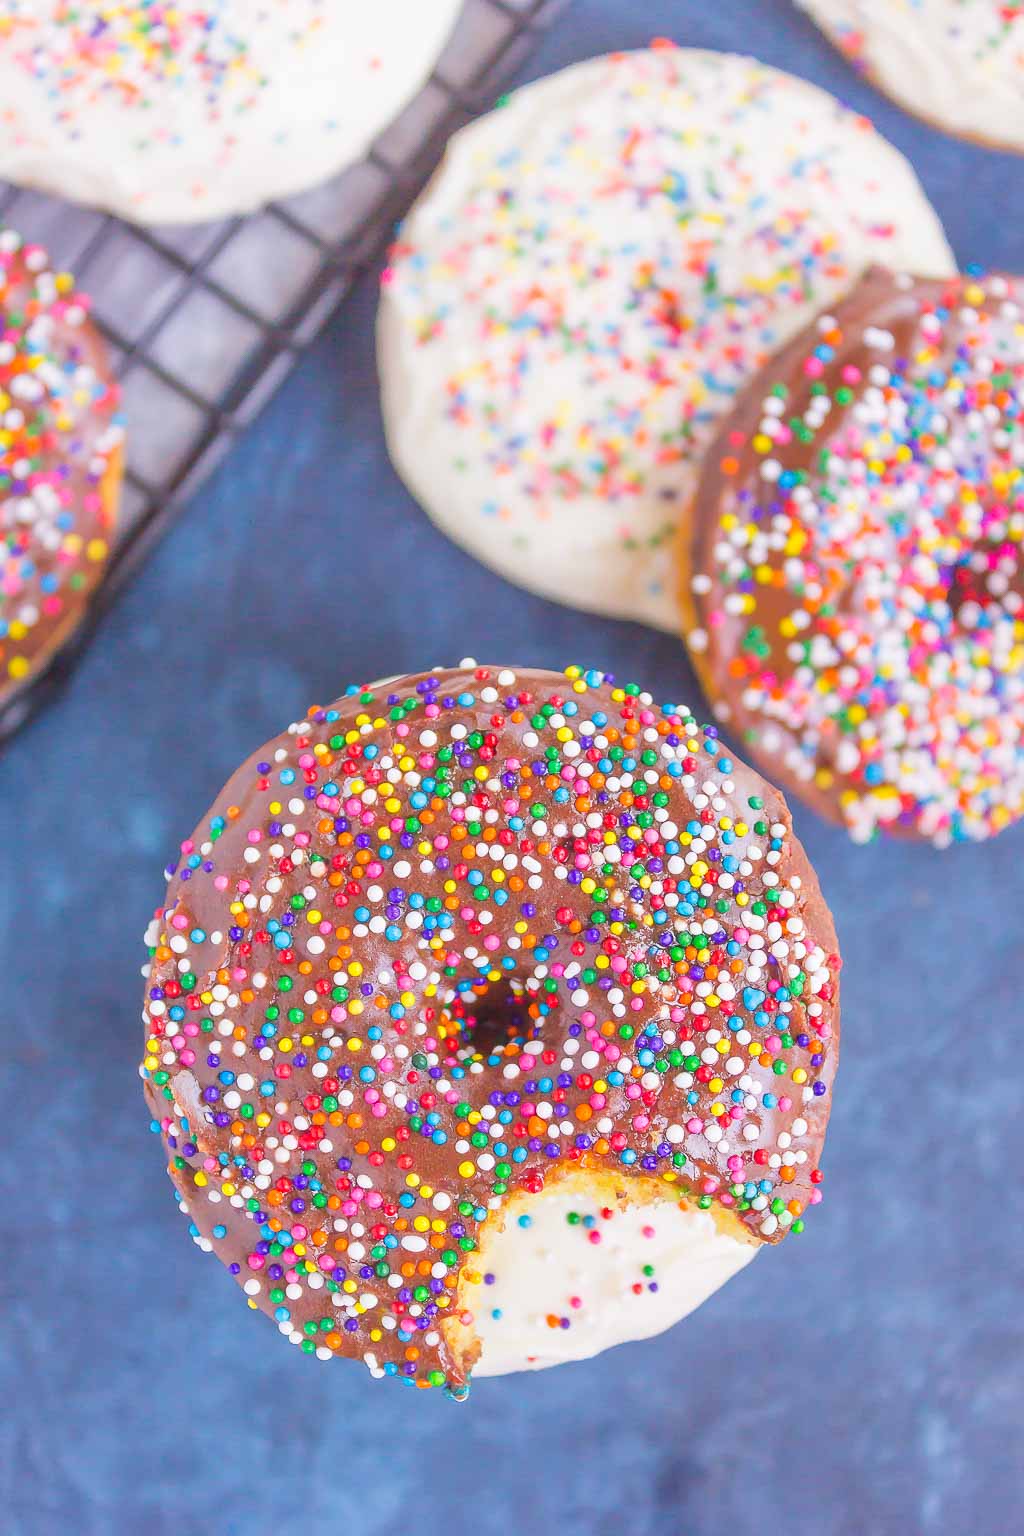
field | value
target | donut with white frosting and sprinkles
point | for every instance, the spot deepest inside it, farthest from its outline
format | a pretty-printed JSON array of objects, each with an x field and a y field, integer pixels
[
  {"x": 957, "y": 64},
  {"x": 855, "y": 581},
  {"x": 492, "y": 1017},
  {"x": 168, "y": 114},
  {"x": 593, "y": 273}
]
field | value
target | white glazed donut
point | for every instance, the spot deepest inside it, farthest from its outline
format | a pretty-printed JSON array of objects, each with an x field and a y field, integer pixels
[
  {"x": 168, "y": 113},
  {"x": 595, "y": 270},
  {"x": 956, "y": 63}
]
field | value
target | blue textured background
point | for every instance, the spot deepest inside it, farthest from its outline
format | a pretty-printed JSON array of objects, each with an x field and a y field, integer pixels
[{"x": 864, "y": 1379}]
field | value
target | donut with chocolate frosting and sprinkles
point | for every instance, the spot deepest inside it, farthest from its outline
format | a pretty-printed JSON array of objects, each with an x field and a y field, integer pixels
[
  {"x": 855, "y": 580},
  {"x": 170, "y": 113},
  {"x": 478, "y": 967},
  {"x": 60, "y": 459}
]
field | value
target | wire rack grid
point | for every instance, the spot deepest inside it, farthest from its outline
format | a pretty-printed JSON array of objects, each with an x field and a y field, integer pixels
[{"x": 205, "y": 321}]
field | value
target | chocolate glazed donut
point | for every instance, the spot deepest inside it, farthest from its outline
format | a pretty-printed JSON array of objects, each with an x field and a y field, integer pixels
[
  {"x": 61, "y": 458},
  {"x": 854, "y": 585},
  {"x": 455, "y": 939}
]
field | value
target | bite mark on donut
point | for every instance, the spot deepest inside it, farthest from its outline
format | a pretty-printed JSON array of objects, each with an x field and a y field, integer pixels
[{"x": 455, "y": 939}]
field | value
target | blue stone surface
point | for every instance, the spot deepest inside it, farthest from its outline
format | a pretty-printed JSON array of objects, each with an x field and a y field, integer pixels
[{"x": 863, "y": 1379}]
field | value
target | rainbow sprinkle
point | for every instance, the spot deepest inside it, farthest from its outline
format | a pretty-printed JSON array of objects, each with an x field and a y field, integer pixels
[{"x": 83, "y": 50}]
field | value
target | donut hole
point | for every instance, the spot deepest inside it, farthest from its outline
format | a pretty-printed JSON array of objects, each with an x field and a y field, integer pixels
[{"x": 489, "y": 1019}]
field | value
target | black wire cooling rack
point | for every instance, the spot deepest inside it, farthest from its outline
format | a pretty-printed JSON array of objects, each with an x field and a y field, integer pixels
[{"x": 204, "y": 322}]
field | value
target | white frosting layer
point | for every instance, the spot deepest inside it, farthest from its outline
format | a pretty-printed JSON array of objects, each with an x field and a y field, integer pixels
[
  {"x": 956, "y": 63},
  {"x": 225, "y": 106},
  {"x": 593, "y": 273},
  {"x": 580, "y": 1277}
]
